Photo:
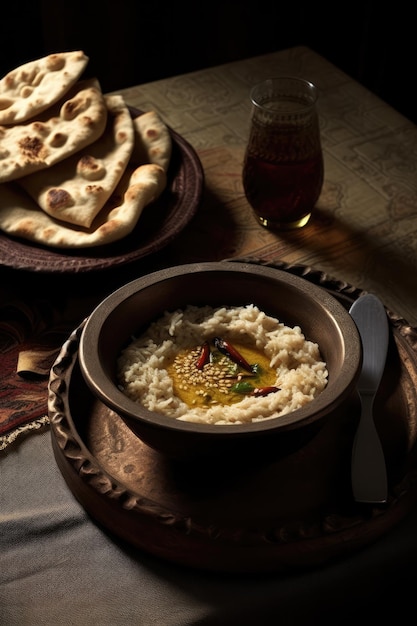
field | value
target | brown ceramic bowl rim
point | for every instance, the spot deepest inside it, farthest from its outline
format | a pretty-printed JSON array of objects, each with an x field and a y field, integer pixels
[{"x": 107, "y": 391}]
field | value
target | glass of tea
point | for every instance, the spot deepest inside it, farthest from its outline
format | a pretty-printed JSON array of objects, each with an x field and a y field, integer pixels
[{"x": 283, "y": 164}]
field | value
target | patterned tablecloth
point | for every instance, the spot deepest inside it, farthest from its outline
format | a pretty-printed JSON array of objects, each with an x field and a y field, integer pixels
[{"x": 364, "y": 230}]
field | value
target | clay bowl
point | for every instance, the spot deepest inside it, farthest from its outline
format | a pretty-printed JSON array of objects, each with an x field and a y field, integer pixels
[{"x": 291, "y": 299}]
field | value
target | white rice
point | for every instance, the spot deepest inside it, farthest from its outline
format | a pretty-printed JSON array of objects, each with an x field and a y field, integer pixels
[{"x": 301, "y": 373}]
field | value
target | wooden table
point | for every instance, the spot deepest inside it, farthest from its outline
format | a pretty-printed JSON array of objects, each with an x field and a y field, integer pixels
[
  {"x": 58, "y": 566},
  {"x": 364, "y": 230}
]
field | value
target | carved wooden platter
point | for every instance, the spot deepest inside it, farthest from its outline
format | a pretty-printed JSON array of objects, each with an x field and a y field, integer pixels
[{"x": 287, "y": 513}]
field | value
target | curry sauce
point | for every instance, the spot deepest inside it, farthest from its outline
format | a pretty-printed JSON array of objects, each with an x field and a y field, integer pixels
[{"x": 204, "y": 376}]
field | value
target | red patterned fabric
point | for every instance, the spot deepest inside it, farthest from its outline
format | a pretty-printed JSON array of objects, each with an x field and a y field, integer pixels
[{"x": 28, "y": 330}]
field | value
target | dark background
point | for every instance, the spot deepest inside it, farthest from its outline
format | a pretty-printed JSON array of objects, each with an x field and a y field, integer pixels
[{"x": 136, "y": 42}]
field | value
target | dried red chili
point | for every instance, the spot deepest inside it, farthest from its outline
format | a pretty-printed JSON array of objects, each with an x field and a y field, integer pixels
[
  {"x": 264, "y": 391},
  {"x": 204, "y": 357},
  {"x": 227, "y": 349}
]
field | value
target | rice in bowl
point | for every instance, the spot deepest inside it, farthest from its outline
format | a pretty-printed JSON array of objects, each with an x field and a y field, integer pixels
[{"x": 299, "y": 372}]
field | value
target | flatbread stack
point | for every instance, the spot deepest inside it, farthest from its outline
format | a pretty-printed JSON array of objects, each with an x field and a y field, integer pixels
[
  {"x": 75, "y": 189},
  {"x": 76, "y": 170}
]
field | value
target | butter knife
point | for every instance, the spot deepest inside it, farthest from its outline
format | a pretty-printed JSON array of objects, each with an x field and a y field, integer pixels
[{"x": 368, "y": 472}]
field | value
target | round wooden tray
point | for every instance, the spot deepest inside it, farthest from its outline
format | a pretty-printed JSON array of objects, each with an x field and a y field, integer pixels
[{"x": 286, "y": 513}]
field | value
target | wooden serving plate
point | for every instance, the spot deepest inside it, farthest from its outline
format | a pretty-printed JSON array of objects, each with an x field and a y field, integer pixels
[{"x": 286, "y": 513}]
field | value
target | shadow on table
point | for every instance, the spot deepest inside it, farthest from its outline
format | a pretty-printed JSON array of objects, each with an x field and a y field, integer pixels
[
  {"x": 372, "y": 258},
  {"x": 213, "y": 234}
]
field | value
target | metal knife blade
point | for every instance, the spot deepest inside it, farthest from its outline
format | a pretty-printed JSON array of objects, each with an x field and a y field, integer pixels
[{"x": 369, "y": 475}]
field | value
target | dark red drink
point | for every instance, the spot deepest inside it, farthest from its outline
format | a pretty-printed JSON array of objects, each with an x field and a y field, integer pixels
[
  {"x": 283, "y": 194},
  {"x": 283, "y": 167}
]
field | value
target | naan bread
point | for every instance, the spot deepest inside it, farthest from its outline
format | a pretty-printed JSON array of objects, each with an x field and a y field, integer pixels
[
  {"x": 75, "y": 189},
  {"x": 20, "y": 216},
  {"x": 33, "y": 87},
  {"x": 74, "y": 122},
  {"x": 153, "y": 143}
]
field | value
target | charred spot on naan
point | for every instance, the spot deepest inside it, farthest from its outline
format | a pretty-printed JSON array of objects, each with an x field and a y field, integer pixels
[
  {"x": 90, "y": 168},
  {"x": 33, "y": 149},
  {"x": 58, "y": 199}
]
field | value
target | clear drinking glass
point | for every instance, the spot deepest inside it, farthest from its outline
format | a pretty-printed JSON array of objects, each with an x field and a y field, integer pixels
[{"x": 283, "y": 165}]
